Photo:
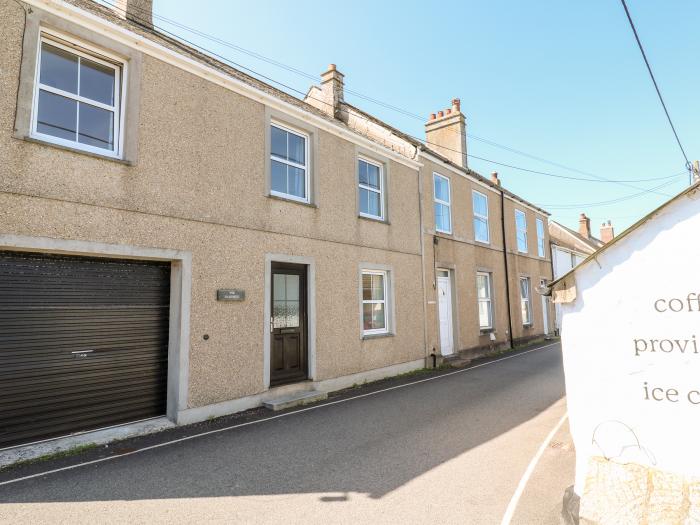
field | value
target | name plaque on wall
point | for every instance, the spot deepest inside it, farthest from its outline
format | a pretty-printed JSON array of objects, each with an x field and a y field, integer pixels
[{"x": 230, "y": 294}]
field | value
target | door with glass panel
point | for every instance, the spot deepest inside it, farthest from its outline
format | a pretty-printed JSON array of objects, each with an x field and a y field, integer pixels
[{"x": 288, "y": 324}]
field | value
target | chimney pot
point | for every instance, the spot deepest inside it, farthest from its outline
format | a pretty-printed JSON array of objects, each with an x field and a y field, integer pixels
[
  {"x": 448, "y": 111},
  {"x": 495, "y": 179},
  {"x": 456, "y": 104},
  {"x": 432, "y": 116},
  {"x": 441, "y": 114}
]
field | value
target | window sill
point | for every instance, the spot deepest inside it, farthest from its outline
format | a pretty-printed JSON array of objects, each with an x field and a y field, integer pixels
[
  {"x": 528, "y": 326},
  {"x": 376, "y": 336},
  {"x": 487, "y": 331},
  {"x": 373, "y": 219},
  {"x": 292, "y": 201},
  {"x": 35, "y": 140},
  {"x": 482, "y": 243}
]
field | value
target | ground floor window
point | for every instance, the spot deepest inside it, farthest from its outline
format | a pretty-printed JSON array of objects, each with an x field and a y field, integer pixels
[
  {"x": 374, "y": 302},
  {"x": 483, "y": 294},
  {"x": 525, "y": 308}
]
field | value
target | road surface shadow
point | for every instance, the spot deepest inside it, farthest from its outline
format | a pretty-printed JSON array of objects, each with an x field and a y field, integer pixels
[{"x": 370, "y": 445}]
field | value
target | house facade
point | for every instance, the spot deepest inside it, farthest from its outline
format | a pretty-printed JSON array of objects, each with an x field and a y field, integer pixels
[
  {"x": 179, "y": 240},
  {"x": 570, "y": 248}
]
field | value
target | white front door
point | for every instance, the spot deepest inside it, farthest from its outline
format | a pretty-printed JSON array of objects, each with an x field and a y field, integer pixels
[
  {"x": 545, "y": 309},
  {"x": 444, "y": 289}
]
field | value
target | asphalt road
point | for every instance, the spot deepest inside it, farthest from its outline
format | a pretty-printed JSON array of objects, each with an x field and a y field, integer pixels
[{"x": 452, "y": 449}]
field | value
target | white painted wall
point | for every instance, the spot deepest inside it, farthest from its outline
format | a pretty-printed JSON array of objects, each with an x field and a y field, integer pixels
[
  {"x": 562, "y": 264},
  {"x": 615, "y": 305}
]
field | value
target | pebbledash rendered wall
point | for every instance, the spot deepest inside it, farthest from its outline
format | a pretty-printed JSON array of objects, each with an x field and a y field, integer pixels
[
  {"x": 464, "y": 256},
  {"x": 198, "y": 185}
]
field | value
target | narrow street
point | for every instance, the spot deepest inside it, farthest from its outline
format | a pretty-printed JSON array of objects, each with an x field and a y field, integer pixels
[{"x": 452, "y": 449}]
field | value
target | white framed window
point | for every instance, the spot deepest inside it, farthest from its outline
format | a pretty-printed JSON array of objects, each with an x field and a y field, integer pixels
[
  {"x": 441, "y": 195},
  {"x": 483, "y": 294},
  {"x": 375, "y": 318},
  {"x": 525, "y": 306},
  {"x": 540, "y": 237},
  {"x": 289, "y": 163},
  {"x": 480, "y": 203},
  {"x": 77, "y": 97},
  {"x": 521, "y": 230},
  {"x": 371, "y": 188}
]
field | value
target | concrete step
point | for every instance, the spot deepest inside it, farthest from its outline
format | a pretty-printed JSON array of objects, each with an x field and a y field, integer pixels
[
  {"x": 457, "y": 360},
  {"x": 300, "y": 398}
]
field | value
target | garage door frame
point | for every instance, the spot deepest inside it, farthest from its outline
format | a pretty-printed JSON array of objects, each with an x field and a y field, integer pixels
[{"x": 180, "y": 297}]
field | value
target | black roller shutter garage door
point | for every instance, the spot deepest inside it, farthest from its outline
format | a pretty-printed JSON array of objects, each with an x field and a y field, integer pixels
[{"x": 83, "y": 343}]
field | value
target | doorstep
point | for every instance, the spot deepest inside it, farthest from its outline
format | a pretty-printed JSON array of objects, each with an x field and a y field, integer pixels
[{"x": 296, "y": 399}]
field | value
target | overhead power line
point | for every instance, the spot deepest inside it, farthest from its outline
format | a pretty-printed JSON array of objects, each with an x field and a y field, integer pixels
[
  {"x": 559, "y": 206},
  {"x": 142, "y": 20},
  {"x": 407, "y": 113},
  {"x": 656, "y": 86}
]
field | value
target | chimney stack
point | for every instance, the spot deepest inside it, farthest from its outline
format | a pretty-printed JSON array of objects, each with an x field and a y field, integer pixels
[
  {"x": 447, "y": 134},
  {"x": 607, "y": 233},
  {"x": 495, "y": 179},
  {"x": 138, "y": 11},
  {"x": 584, "y": 226},
  {"x": 332, "y": 93}
]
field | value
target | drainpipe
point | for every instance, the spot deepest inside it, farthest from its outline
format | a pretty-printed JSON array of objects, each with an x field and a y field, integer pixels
[
  {"x": 505, "y": 265},
  {"x": 422, "y": 264}
]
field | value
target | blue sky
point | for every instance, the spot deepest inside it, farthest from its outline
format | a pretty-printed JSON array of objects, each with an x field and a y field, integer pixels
[{"x": 559, "y": 80}]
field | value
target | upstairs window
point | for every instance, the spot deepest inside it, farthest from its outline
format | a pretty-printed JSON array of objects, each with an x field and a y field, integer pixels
[
  {"x": 521, "y": 230},
  {"x": 441, "y": 195},
  {"x": 540, "y": 237},
  {"x": 289, "y": 153},
  {"x": 77, "y": 99},
  {"x": 371, "y": 189},
  {"x": 481, "y": 216}
]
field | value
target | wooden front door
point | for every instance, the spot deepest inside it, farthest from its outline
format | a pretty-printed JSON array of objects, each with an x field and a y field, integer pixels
[{"x": 288, "y": 324}]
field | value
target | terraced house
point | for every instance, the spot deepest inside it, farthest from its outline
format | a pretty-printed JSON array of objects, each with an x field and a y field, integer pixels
[{"x": 179, "y": 240}]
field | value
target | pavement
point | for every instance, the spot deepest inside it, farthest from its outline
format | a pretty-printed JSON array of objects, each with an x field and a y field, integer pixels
[{"x": 461, "y": 446}]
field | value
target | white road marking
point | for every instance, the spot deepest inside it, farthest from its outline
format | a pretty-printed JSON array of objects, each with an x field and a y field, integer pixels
[
  {"x": 239, "y": 425},
  {"x": 508, "y": 516}
]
